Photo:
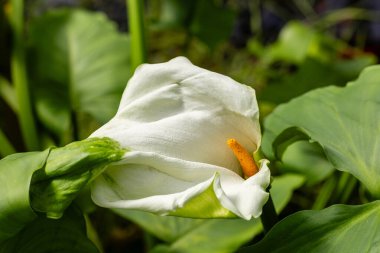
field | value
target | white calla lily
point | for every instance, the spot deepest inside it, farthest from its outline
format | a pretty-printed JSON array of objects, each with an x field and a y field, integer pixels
[{"x": 175, "y": 119}]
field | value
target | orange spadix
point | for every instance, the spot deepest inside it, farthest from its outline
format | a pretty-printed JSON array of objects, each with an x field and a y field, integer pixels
[{"x": 246, "y": 160}]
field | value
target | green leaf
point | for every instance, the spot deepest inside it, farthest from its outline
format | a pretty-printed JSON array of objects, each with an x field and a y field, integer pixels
[
  {"x": 344, "y": 121},
  {"x": 166, "y": 228},
  {"x": 282, "y": 189},
  {"x": 217, "y": 236},
  {"x": 79, "y": 63},
  {"x": 189, "y": 235},
  {"x": 303, "y": 59},
  {"x": 298, "y": 41},
  {"x": 307, "y": 159},
  {"x": 43, "y": 235},
  {"x": 339, "y": 228},
  {"x": 298, "y": 155},
  {"x": 295, "y": 42},
  {"x": 15, "y": 176}
]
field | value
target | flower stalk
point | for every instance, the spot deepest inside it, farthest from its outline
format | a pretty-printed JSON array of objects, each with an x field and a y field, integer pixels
[
  {"x": 6, "y": 147},
  {"x": 136, "y": 31},
  {"x": 269, "y": 216},
  {"x": 19, "y": 77}
]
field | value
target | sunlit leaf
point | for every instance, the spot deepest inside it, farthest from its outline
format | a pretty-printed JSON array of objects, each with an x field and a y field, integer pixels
[
  {"x": 344, "y": 121},
  {"x": 295, "y": 42},
  {"x": 298, "y": 41},
  {"x": 339, "y": 228},
  {"x": 79, "y": 63}
]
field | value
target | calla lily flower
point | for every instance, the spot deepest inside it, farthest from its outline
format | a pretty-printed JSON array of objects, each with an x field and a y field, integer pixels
[{"x": 190, "y": 135}]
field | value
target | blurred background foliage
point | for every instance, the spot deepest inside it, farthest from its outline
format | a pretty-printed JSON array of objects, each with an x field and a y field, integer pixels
[{"x": 78, "y": 60}]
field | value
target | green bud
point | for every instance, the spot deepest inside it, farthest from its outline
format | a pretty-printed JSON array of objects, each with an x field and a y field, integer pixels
[{"x": 68, "y": 170}]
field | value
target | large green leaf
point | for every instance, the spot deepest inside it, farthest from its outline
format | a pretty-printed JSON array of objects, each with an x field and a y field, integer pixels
[
  {"x": 43, "y": 235},
  {"x": 166, "y": 228},
  {"x": 307, "y": 159},
  {"x": 339, "y": 228},
  {"x": 344, "y": 121},
  {"x": 194, "y": 235},
  {"x": 15, "y": 176},
  {"x": 215, "y": 236},
  {"x": 79, "y": 63}
]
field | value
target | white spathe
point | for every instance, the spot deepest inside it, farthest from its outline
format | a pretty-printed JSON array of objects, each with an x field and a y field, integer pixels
[{"x": 175, "y": 119}]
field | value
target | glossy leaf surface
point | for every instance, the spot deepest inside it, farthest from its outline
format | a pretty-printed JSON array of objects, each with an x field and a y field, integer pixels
[
  {"x": 344, "y": 121},
  {"x": 339, "y": 228}
]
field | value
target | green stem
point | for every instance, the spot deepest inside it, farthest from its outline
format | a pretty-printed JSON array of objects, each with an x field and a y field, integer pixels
[
  {"x": 92, "y": 234},
  {"x": 255, "y": 22},
  {"x": 6, "y": 147},
  {"x": 148, "y": 241},
  {"x": 8, "y": 94},
  {"x": 136, "y": 31},
  {"x": 19, "y": 77},
  {"x": 345, "y": 187},
  {"x": 74, "y": 122},
  {"x": 343, "y": 179},
  {"x": 269, "y": 216},
  {"x": 325, "y": 193},
  {"x": 350, "y": 186}
]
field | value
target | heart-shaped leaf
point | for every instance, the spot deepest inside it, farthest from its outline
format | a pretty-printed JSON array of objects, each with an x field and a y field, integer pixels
[
  {"x": 344, "y": 121},
  {"x": 79, "y": 63}
]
